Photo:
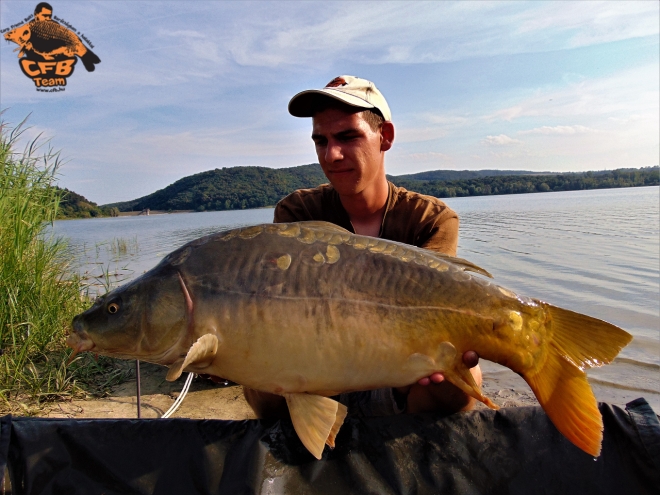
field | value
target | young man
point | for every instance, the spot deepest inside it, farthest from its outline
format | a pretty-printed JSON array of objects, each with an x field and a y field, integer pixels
[{"x": 352, "y": 130}]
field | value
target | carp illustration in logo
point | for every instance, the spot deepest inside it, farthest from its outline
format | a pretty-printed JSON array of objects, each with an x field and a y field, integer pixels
[{"x": 47, "y": 50}]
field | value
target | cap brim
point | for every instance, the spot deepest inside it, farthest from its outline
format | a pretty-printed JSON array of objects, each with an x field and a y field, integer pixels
[{"x": 302, "y": 105}]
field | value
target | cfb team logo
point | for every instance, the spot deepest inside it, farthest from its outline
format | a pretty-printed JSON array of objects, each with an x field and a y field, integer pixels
[{"x": 47, "y": 50}]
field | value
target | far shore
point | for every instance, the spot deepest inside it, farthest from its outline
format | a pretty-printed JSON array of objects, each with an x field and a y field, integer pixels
[{"x": 152, "y": 212}]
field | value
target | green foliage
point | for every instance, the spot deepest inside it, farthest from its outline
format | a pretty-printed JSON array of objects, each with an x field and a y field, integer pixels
[
  {"x": 229, "y": 189},
  {"x": 445, "y": 175},
  {"x": 254, "y": 187},
  {"x": 38, "y": 295},
  {"x": 486, "y": 186},
  {"x": 73, "y": 205}
]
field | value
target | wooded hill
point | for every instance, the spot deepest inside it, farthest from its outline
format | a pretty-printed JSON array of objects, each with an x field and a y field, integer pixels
[
  {"x": 254, "y": 187},
  {"x": 73, "y": 205}
]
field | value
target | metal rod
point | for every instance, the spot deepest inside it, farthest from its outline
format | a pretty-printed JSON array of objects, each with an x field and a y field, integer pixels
[{"x": 137, "y": 383}]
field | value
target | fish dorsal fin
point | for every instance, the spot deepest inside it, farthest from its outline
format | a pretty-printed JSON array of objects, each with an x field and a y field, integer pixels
[
  {"x": 201, "y": 354},
  {"x": 464, "y": 264},
  {"x": 316, "y": 420},
  {"x": 318, "y": 224}
]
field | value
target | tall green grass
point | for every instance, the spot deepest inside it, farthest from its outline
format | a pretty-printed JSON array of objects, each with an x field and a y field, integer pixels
[{"x": 39, "y": 295}]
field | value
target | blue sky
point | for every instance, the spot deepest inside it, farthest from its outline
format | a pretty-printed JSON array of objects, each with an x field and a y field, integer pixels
[{"x": 185, "y": 87}]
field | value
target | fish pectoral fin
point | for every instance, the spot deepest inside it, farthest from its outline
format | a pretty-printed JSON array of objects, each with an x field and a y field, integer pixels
[
  {"x": 201, "y": 354},
  {"x": 316, "y": 420},
  {"x": 460, "y": 376}
]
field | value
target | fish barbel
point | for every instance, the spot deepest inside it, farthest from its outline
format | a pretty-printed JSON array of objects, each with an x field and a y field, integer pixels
[{"x": 308, "y": 310}]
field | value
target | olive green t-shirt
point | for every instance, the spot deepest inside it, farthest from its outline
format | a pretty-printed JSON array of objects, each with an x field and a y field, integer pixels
[{"x": 410, "y": 217}]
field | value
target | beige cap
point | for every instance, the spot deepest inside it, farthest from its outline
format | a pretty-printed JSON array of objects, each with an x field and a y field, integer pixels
[{"x": 348, "y": 89}]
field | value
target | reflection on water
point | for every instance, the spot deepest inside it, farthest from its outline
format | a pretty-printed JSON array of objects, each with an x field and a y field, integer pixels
[{"x": 595, "y": 252}]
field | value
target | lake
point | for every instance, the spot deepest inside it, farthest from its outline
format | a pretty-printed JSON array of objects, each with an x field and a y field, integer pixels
[{"x": 596, "y": 252}]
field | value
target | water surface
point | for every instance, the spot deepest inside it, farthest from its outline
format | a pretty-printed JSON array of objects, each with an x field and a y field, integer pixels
[{"x": 596, "y": 252}]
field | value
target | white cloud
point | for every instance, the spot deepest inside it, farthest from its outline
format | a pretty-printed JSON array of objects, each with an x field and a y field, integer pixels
[
  {"x": 630, "y": 92},
  {"x": 501, "y": 140},
  {"x": 559, "y": 129},
  {"x": 429, "y": 32}
]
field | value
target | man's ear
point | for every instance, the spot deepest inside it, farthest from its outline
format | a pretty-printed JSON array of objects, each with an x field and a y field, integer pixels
[{"x": 386, "y": 136}]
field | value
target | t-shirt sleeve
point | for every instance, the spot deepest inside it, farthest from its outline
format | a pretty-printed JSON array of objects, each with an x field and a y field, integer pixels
[
  {"x": 444, "y": 234},
  {"x": 291, "y": 209}
]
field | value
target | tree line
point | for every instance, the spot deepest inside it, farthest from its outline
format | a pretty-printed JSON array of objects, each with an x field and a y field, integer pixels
[
  {"x": 255, "y": 187},
  {"x": 486, "y": 186}
]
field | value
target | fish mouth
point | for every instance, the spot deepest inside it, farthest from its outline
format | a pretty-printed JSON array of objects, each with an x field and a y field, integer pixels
[{"x": 79, "y": 342}]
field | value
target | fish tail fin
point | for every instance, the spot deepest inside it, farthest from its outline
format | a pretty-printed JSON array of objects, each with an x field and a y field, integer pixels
[
  {"x": 561, "y": 386},
  {"x": 89, "y": 59},
  {"x": 585, "y": 341}
]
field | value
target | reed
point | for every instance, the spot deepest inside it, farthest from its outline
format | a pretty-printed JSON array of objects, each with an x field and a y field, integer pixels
[{"x": 39, "y": 295}]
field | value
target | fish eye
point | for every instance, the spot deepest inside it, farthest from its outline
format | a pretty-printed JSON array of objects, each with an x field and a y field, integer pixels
[{"x": 113, "y": 308}]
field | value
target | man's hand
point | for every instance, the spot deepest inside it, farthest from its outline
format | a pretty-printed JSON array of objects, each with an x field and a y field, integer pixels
[{"x": 434, "y": 394}]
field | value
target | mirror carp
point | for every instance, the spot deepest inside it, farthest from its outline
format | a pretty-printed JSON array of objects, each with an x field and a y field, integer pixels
[{"x": 308, "y": 310}]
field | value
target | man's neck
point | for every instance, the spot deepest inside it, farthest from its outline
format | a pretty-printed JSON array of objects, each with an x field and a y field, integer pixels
[{"x": 367, "y": 209}]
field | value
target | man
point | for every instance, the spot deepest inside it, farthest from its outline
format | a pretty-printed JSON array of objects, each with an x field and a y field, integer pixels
[
  {"x": 352, "y": 130},
  {"x": 43, "y": 12}
]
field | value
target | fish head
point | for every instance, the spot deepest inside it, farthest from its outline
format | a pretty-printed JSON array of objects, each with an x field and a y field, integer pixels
[
  {"x": 147, "y": 319},
  {"x": 20, "y": 35}
]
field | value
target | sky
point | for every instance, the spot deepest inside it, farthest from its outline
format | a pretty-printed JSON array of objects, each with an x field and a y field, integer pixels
[{"x": 185, "y": 87}]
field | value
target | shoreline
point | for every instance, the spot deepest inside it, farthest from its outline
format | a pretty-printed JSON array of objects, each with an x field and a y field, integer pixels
[{"x": 206, "y": 400}]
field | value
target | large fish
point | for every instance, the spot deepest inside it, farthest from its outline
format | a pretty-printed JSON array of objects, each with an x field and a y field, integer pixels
[
  {"x": 51, "y": 41},
  {"x": 308, "y": 310}
]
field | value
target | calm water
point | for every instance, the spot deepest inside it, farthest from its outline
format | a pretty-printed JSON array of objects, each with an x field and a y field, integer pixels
[{"x": 595, "y": 252}]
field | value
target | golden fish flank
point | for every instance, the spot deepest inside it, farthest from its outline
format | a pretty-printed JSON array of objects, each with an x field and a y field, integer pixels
[{"x": 274, "y": 310}]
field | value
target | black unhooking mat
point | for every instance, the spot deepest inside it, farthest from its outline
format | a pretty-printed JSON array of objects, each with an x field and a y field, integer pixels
[{"x": 511, "y": 451}]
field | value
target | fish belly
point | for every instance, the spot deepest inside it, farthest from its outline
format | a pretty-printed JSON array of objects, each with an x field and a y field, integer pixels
[{"x": 286, "y": 345}]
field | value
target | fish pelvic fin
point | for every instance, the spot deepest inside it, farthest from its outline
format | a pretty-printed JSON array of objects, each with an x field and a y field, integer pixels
[
  {"x": 316, "y": 420},
  {"x": 201, "y": 354},
  {"x": 578, "y": 342}
]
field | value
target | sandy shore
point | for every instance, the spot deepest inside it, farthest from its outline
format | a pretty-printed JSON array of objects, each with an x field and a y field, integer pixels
[{"x": 206, "y": 400}]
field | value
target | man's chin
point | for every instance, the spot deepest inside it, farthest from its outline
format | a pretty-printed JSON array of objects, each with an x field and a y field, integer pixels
[{"x": 344, "y": 183}]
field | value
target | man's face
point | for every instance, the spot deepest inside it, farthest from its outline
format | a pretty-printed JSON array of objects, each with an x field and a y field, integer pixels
[
  {"x": 43, "y": 15},
  {"x": 349, "y": 151}
]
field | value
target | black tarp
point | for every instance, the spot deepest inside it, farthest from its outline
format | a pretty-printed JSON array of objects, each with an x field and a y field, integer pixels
[{"x": 511, "y": 451}]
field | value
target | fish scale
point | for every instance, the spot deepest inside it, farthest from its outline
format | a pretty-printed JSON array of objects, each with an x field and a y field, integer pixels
[
  {"x": 307, "y": 310},
  {"x": 49, "y": 35}
]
